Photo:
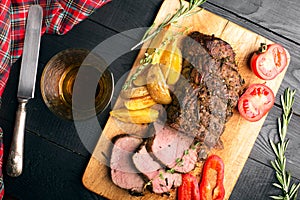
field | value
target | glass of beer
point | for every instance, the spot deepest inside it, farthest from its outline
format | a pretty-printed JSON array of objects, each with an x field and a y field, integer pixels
[{"x": 76, "y": 84}]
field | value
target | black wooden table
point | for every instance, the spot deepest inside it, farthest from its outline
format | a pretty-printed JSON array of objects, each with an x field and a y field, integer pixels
[{"x": 55, "y": 157}]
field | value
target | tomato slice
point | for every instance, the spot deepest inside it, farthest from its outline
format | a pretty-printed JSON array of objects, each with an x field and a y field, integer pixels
[
  {"x": 269, "y": 64},
  {"x": 256, "y": 102}
]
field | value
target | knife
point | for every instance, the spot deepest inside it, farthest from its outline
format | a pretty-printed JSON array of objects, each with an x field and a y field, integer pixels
[{"x": 26, "y": 87}]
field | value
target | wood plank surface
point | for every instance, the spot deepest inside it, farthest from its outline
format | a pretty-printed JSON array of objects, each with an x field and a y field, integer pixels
[
  {"x": 255, "y": 182},
  {"x": 239, "y": 136},
  {"x": 275, "y": 15},
  {"x": 292, "y": 79},
  {"x": 48, "y": 173},
  {"x": 255, "y": 15},
  {"x": 262, "y": 151},
  {"x": 51, "y": 136},
  {"x": 40, "y": 119}
]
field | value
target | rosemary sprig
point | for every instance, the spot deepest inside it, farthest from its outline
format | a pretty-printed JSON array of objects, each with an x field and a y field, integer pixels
[
  {"x": 279, "y": 164},
  {"x": 150, "y": 58},
  {"x": 182, "y": 11}
]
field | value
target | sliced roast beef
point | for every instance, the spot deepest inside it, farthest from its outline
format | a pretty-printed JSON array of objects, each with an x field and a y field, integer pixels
[
  {"x": 187, "y": 161},
  {"x": 145, "y": 163},
  {"x": 172, "y": 148},
  {"x": 161, "y": 180},
  {"x": 164, "y": 181},
  {"x": 123, "y": 172}
]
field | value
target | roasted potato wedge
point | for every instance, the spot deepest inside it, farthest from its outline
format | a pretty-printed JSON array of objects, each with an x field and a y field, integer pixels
[
  {"x": 157, "y": 86},
  {"x": 175, "y": 66},
  {"x": 142, "y": 116},
  {"x": 139, "y": 103},
  {"x": 165, "y": 60},
  {"x": 171, "y": 63},
  {"x": 135, "y": 92},
  {"x": 141, "y": 79},
  {"x": 157, "y": 41}
]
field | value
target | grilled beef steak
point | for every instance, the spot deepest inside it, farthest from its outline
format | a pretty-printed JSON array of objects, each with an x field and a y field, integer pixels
[
  {"x": 208, "y": 91},
  {"x": 172, "y": 148},
  {"x": 123, "y": 172},
  {"x": 161, "y": 180}
]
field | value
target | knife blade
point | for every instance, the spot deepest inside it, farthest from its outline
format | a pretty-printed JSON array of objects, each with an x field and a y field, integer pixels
[{"x": 26, "y": 87}]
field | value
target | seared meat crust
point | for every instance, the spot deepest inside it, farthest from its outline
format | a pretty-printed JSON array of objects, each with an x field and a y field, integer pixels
[{"x": 208, "y": 91}]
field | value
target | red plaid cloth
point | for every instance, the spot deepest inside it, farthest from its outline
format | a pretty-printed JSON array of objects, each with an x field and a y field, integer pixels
[{"x": 59, "y": 17}]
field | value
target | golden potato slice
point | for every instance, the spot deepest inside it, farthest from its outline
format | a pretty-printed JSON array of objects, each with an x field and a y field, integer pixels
[
  {"x": 157, "y": 41},
  {"x": 157, "y": 86},
  {"x": 166, "y": 58},
  {"x": 139, "y": 103},
  {"x": 175, "y": 66},
  {"x": 141, "y": 79},
  {"x": 142, "y": 116},
  {"x": 135, "y": 92}
]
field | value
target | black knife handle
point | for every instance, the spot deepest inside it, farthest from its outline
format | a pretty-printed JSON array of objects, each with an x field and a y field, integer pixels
[{"x": 15, "y": 158}]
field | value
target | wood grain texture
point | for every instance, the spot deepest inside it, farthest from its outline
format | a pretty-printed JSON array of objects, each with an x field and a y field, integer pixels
[
  {"x": 53, "y": 136},
  {"x": 255, "y": 182},
  {"x": 40, "y": 119},
  {"x": 48, "y": 172},
  {"x": 256, "y": 15},
  {"x": 262, "y": 151},
  {"x": 119, "y": 16},
  {"x": 276, "y": 15},
  {"x": 292, "y": 77},
  {"x": 239, "y": 136}
]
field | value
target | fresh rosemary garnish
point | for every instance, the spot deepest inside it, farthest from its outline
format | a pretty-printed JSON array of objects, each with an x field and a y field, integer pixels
[
  {"x": 186, "y": 152},
  {"x": 194, "y": 146},
  {"x": 182, "y": 11},
  {"x": 171, "y": 171},
  {"x": 279, "y": 164},
  {"x": 150, "y": 58},
  {"x": 178, "y": 160},
  {"x": 161, "y": 176}
]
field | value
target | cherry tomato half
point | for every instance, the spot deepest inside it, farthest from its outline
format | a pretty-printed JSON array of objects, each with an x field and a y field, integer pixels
[
  {"x": 256, "y": 102},
  {"x": 269, "y": 63}
]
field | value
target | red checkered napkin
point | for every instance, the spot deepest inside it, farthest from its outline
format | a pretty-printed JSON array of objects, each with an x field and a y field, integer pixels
[{"x": 59, "y": 17}]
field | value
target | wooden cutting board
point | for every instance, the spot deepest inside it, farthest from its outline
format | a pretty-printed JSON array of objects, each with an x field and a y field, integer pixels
[{"x": 239, "y": 136}]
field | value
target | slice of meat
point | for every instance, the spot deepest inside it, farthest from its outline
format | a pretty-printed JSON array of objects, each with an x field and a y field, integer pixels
[
  {"x": 187, "y": 162},
  {"x": 164, "y": 181},
  {"x": 144, "y": 162},
  {"x": 170, "y": 146},
  {"x": 161, "y": 180},
  {"x": 123, "y": 172}
]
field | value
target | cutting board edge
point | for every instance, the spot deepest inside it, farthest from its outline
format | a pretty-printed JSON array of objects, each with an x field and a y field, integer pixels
[{"x": 248, "y": 153}]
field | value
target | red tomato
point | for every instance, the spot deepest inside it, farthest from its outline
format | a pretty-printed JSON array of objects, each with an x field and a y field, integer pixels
[
  {"x": 268, "y": 64},
  {"x": 256, "y": 102}
]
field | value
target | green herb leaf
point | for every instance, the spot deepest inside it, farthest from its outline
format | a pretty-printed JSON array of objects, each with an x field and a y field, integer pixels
[
  {"x": 277, "y": 185},
  {"x": 161, "y": 176},
  {"x": 277, "y": 197},
  {"x": 171, "y": 171},
  {"x": 181, "y": 12},
  {"x": 294, "y": 190},
  {"x": 279, "y": 149},
  {"x": 186, "y": 152}
]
